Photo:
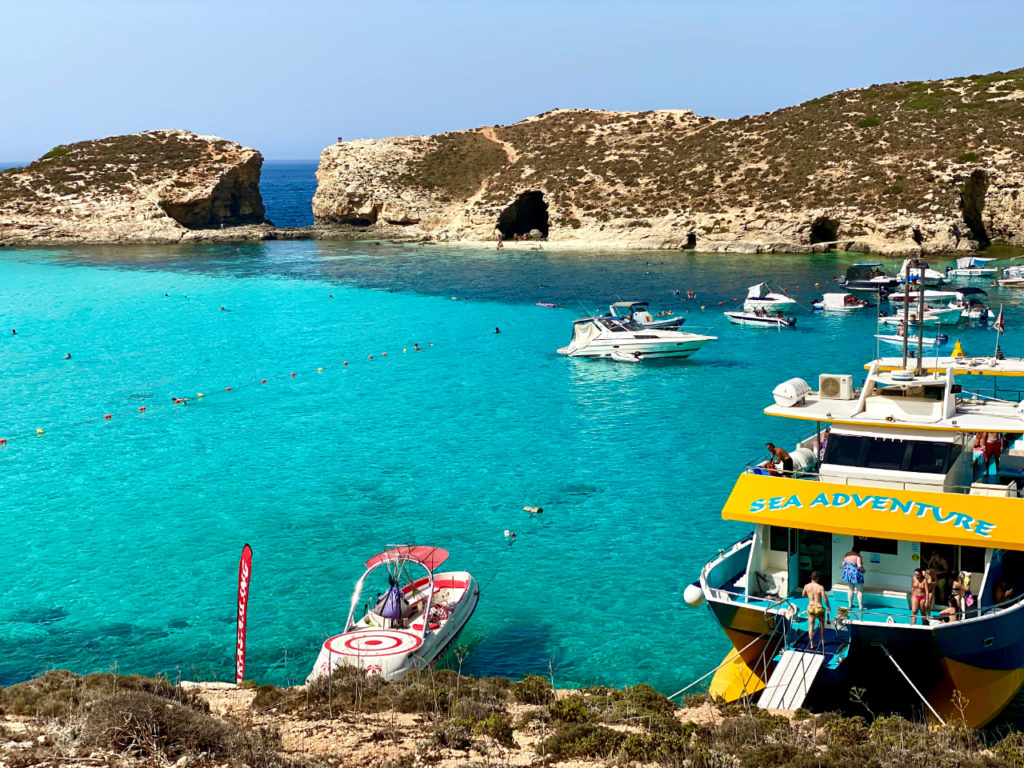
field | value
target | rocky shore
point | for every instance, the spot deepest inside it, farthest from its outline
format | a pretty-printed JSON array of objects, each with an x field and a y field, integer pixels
[{"x": 441, "y": 718}]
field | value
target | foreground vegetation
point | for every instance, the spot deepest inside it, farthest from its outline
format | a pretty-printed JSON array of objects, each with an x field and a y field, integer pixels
[{"x": 440, "y": 717}]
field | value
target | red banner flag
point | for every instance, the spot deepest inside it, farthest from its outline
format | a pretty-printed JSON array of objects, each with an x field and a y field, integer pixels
[
  {"x": 999, "y": 325},
  {"x": 244, "y": 574}
]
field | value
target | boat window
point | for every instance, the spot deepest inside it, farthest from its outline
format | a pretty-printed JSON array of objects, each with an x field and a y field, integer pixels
[
  {"x": 778, "y": 539},
  {"x": 887, "y": 454},
  {"x": 879, "y": 546},
  {"x": 972, "y": 559}
]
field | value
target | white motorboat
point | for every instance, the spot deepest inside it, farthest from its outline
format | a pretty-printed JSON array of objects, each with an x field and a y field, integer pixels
[
  {"x": 1012, "y": 277},
  {"x": 931, "y": 276},
  {"x": 868, "y": 278},
  {"x": 411, "y": 625},
  {"x": 840, "y": 302},
  {"x": 760, "y": 297},
  {"x": 930, "y": 342},
  {"x": 932, "y": 317},
  {"x": 915, "y": 295},
  {"x": 971, "y": 303},
  {"x": 623, "y": 340},
  {"x": 761, "y": 319},
  {"x": 639, "y": 313},
  {"x": 972, "y": 266}
]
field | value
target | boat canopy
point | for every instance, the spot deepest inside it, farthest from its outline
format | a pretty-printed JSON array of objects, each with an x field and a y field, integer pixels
[
  {"x": 862, "y": 272},
  {"x": 969, "y": 262},
  {"x": 429, "y": 557},
  {"x": 835, "y": 300},
  {"x": 759, "y": 291},
  {"x": 969, "y": 291},
  {"x": 630, "y": 304}
]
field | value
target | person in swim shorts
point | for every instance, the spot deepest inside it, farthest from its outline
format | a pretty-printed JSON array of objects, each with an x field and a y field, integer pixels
[{"x": 816, "y": 595}]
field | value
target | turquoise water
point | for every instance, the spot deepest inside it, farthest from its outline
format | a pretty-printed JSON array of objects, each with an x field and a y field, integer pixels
[
  {"x": 122, "y": 536},
  {"x": 287, "y": 188}
]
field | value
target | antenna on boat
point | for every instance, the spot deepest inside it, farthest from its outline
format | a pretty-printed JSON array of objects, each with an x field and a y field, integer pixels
[
  {"x": 906, "y": 313},
  {"x": 920, "y": 323}
]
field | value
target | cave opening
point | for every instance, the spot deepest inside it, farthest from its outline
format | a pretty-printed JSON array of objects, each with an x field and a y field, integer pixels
[
  {"x": 691, "y": 241},
  {"x": 972, "y": 203},
  {"x": 529, "y": 212},
  {"x": 357, "y": 222},
  {"x": 824, "y": 230}
]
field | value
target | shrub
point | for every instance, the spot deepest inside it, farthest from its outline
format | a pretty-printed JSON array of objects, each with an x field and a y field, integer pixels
[
  {"x": 533, "y": 689},
  {"x": 1011, "y": 750},
  {"x": 59, "y": 692},
  {"x": 696, "y": 700},
  {"x": 768, "y": 755},
  {"x": 581, "y": 740},
  {"x": 56, "y": 152},
  {"x": 498, "y": 727},
  {"x": 867, "y": 122},
  {"x": 844, "y": 731},
  {"x": 571, "y": 709},
  {"x": 267, "y": 696},
  {"x": 967, "y": 157},
  {"x": 895, "y": 189},
  {"x": 456, "y": 733}
]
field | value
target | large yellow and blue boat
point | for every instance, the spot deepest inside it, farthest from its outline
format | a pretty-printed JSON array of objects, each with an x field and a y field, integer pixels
[{"x": 891, "y": 470}]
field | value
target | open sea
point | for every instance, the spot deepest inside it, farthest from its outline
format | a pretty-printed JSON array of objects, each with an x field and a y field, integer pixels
[{"x": 121, "y": 536}]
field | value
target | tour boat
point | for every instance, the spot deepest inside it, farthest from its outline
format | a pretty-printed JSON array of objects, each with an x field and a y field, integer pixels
[
  {"x": 972, "y": 266},
  {"x": 932, "y": 317},
  {"x": 611, "y": 337},
  {"x": 761, "y": 319},
  {"x": 409, "y": 626},
  {"x": 868, "y": 278},
  {"x": 895, "y": 476},
  {"x": 639, "y": 313},
  {"x": 760, "y": 297},
  {"x": 840, "y": 302}
]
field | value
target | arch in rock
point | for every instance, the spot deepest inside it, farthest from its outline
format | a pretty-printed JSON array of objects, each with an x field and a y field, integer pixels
[{"x": 528, "y": 212}]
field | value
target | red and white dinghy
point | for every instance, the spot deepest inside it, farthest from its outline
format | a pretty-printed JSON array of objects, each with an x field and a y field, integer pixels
[{"x": 412, "y": 624}]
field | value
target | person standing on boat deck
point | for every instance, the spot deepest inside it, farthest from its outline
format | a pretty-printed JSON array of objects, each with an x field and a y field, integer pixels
[
  {"x": 780, "y": 455},
  {"x": 993, "y": 447},
  {"x": 918, "y": 594},
  {"x": 815, "y": 594},
  {"x": 930, "y": 581},
  {"x": 853, "y": 577},
  {"x": 938, "y": 564}
]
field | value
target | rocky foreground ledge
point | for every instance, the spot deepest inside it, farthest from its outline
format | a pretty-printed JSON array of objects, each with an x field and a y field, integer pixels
[
  {"x": 152, "y": 187},
  {"x": 441, "y": 718},
  {"x": 900, "y": 169}
]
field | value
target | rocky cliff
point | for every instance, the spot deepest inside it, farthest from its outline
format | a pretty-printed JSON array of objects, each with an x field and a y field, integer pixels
[
  {"x": 157, "y": 186},
  {"x": 902, "y": 168}
]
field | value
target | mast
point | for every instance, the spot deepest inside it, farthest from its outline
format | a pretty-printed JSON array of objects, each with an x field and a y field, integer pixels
[
  {"x": 906, "y": 312},
  {"x": 920, "y": 322}
]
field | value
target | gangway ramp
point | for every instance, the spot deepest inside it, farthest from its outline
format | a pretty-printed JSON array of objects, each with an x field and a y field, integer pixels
[{"x": 791, "y": 679}]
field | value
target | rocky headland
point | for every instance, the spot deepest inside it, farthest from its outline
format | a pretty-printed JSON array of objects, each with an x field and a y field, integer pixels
[
  {"x": 900, "y": 169},
  {"x": 156, "y": 186}
]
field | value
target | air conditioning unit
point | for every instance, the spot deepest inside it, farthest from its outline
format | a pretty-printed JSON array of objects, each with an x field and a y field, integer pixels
[{"x": 835, "y": 386}]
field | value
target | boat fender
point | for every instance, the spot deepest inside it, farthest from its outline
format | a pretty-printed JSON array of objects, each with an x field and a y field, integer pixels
[{"x": 693, "y": 595}]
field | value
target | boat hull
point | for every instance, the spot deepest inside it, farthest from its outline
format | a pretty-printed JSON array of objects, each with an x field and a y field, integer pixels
[
  {"x": 746, "y": 318},
  {"x": 638, "y": 348}
]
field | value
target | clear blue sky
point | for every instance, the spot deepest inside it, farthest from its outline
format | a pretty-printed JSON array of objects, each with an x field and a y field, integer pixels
[{"x": 288, "y": 77}]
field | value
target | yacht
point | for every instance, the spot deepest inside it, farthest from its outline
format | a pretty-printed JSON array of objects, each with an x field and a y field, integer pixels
[
  {"x": 869, "y": 278},
  {"x": 889, "y": 470},
  {"x": 620, "y": 339},
  {"x": 639, "y": 312},
  {"x": 914, "y": 267}
]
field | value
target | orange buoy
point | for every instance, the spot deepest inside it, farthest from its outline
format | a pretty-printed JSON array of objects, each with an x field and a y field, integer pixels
[
  {"x": 798, "y": 287},
  {"x": 735, "y": 299},
  {"x": 39, "y": 431},
  {"x": 3, "y": 441},
  {"x": 293, "y": 374},
  {"x": 720, "y": 303},
  {"x": 263, "y": 381},
  {"x": 142, "y": 408},
  {"x": 227, "y": 389},
  {"x": 383, "y": 354},
  {"x": 345, "y": 363},
  {"x": 108, "y": 416},
  {"x": 370, "y": 357},
  {"x": 200, "y": 394},
  {"x": 319, "y": 370}
]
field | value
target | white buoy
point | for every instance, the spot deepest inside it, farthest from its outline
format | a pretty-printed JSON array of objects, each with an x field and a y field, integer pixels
[
  {"x": 693, "y": 595},
  {"x": 510, "y": 534}
]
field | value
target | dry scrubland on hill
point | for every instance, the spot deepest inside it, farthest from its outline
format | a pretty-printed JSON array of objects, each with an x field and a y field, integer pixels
[
  {"x": 896, "y": 168},
  {"x": 157, "y": 186},
  {"x": 439, "y": 718}
]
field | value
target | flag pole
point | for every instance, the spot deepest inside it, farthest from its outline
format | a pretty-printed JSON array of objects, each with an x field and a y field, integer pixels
[{"x": 999, "y": 330}]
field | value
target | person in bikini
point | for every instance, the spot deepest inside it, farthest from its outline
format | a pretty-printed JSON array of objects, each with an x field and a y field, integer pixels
[
  {"x": 918, "y": 595},
  {"x": 816, "y": 595}
]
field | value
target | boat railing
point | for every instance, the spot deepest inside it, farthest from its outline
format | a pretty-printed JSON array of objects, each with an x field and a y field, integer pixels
[{"x": 724, "y": 553}]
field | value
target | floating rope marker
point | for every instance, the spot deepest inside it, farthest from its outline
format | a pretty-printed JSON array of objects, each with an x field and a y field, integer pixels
[
  {"x": 142, "y": 408},
  {"x": 403, "y": 350},
  {"x": 345, "y": 363},
  {"x": 263, "y": 381},
  {"x": 383, "y": 354},
  {"x": 108, "y": 416},
  {"x": 370, "y": 357}
]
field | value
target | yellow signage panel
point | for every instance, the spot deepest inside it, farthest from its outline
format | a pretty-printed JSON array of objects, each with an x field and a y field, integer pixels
[{"x": 942, "y": 518}]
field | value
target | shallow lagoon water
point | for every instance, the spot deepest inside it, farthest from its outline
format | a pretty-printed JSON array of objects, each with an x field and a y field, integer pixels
[{"x": 121, "y": 536}]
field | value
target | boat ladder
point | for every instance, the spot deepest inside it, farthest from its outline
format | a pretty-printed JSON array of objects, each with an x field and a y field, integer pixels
[{"x": 791, "y": 679}]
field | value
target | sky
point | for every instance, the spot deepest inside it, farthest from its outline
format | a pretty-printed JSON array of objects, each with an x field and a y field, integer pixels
[{"x": 290, "y": 76}]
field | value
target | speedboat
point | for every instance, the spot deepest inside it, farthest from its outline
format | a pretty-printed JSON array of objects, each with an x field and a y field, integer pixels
[
  {"x": 409, "y": 626},
  {"x": 972, "y": 266},
  {"x": 1012, "y": 277},
  {"x": 760, "y": 318},
  {"x": 868, "y": 278},
  {"x": 930, "y": 342},
  {"x": 760, "y": 297},
  {"x": 840, "y": 302},
  {"x": 913, "y": 266},
  {"x": 893, "y": 483},
  {"x": 623, "y": 340},
  {"x": 915, "y": 295},
  {"x": 639, "y": 313},
  {"x": 971, "y": 303},
  {"x": 932, "y": 317}
]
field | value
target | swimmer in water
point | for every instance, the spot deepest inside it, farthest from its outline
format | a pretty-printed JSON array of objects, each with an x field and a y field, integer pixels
[{"x": 67, "y": 356}]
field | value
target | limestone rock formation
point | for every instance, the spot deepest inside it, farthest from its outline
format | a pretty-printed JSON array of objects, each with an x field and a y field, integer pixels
[
  {"x": 902, "y": 169},
  {"x": 156, "y": 186}
]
